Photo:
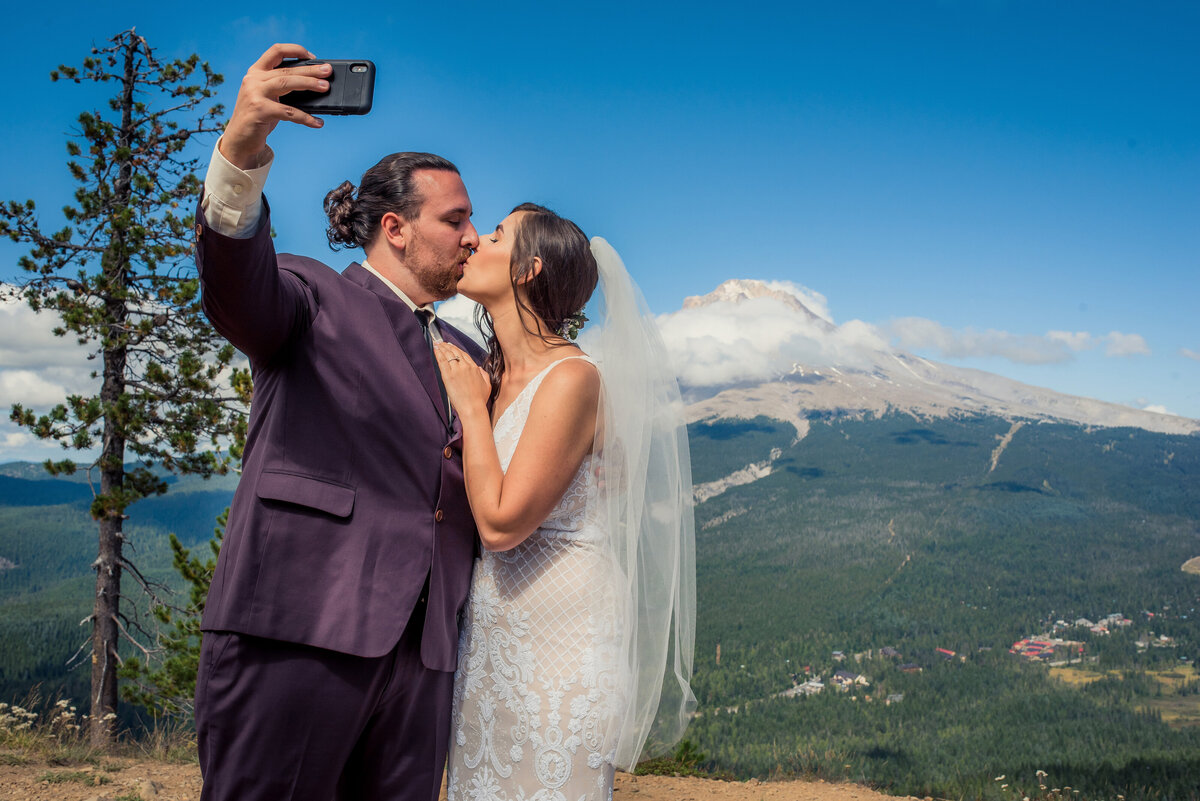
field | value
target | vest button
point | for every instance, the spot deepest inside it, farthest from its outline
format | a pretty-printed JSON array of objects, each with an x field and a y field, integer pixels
[
  {"x": 448, "y": 452},
  {"x": 439, "y": 515}
]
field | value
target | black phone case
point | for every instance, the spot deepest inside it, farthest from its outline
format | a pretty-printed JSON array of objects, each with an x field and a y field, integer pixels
[{"x": 351, "y": 91}]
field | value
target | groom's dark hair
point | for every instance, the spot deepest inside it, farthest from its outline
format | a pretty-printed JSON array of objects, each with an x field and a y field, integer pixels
[
  {"x": 553, "y": 294},
  {"x": 386, "y": 187}
]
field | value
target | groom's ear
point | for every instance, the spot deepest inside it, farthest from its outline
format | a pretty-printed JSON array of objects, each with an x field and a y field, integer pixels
[{"x": 394, "y": 230}]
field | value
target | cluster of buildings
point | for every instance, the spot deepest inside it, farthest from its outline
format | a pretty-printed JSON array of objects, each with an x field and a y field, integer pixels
[
  {"x": 1050, "y": 647},
  {"x": 843, "y": 680},
  {"x": 1047, "y": 649},
  {"x": 846, "y": 680},
  {"x": 1103, "y": 626}
]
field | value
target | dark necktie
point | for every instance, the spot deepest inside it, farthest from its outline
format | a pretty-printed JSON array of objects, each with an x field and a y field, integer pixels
[{"x": 425, "y": 317}]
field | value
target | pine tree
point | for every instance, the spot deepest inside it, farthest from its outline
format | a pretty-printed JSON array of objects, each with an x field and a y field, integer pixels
[
  {"x": 119, "y": 276},
  {"x": 168, "y": 688}
]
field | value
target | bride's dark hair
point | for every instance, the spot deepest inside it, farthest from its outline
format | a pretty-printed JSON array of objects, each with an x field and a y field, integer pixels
[{"x": 552, "y": 295}]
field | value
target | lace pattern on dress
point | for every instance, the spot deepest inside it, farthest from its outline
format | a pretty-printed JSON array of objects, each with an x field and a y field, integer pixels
[{"x": 538, "y": 690}]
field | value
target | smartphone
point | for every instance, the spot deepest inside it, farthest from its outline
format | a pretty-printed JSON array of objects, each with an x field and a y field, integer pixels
[{"x": 351, "y": 88}]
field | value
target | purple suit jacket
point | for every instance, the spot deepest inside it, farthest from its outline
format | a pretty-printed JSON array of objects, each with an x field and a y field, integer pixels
[{"x": 352, "y": 487}]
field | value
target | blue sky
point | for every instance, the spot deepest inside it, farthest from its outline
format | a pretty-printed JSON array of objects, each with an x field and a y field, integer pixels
[{"x": 1013, "y": 186}]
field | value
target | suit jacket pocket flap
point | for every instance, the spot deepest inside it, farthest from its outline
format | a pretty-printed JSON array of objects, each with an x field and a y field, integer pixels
[{"x": 315, "y": 493}]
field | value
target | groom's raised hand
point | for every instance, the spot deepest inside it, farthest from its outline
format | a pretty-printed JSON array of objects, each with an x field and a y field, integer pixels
[{"x": 258, "y": 110}]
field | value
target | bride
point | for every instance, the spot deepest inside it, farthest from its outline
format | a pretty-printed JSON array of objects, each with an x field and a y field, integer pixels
[{"x": 577, "y": 473}]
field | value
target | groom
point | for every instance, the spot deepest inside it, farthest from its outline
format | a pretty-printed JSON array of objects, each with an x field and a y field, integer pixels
[{"x": 332, "y": 621}]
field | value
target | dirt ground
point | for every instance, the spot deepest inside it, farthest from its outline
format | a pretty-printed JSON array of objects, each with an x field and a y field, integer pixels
[{"x": 26, "y": 779}]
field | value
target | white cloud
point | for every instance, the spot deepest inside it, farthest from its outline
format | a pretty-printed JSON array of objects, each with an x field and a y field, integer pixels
[
  {"x": 29, "y": 389},
  {"x": 37, "y": 369},
  {"x": 18, "y": 445},
  {"x": 1188, "y": 353},
  {"x": 1075, "y": 340},
  {"x": 1118, "y": 344},
  {"x": 15, "y": 439},
  {"x": 753, "y": 339},
  {"x": 918, "y": 333},
  {"x": 759, "y": 339},
  {"x": 1055, "y": 347},
  {"x": 813, "y": 300},
  {"x": 27, "y": 340},
  {"x": 1158, "y": 408}
]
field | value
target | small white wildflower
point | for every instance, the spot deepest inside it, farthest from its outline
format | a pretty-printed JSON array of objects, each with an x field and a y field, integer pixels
[{"x": 999, "y": 778}]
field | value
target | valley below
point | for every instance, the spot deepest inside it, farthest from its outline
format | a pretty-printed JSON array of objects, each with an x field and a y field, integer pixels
[{"x": 928, "y": 573}]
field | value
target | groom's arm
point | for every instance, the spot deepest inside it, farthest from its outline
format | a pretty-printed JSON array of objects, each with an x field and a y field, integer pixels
[
  {"x": 249, "y": 300},
  {"x": 245, "y": 295}
]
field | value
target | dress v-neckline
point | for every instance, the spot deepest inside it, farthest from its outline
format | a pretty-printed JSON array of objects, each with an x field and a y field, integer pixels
[{"x": 531, "y": 383}]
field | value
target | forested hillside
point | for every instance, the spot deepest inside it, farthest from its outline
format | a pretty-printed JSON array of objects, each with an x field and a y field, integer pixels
[
  {"x": 871, "y": 545},
  {"x": 47, "y": 545},
  {"x": 900, "y": 534}
]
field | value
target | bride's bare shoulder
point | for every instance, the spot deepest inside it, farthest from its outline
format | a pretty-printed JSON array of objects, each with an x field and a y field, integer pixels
[{"x": 572, "y": 377}]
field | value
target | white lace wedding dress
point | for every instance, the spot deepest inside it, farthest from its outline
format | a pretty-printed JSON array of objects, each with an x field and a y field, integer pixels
[{"x": 539, "y": 690}]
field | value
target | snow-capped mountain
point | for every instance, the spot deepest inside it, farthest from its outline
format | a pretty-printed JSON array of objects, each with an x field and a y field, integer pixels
[{"x": 851, "y": 371}]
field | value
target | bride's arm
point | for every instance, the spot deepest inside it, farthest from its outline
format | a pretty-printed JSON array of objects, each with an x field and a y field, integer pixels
[{"x": 558, "y": 434}]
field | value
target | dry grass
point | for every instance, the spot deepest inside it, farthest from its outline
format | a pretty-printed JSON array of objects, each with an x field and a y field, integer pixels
[
  {"x": 1176, "y": 710},
  {"x": 55, "y": 733},
  {"x": 87, "y": 777},
  {"x": 1171, "y": 679},
  {"x": 1076, "y": 676},
  {"x": 1176, "y": 676}
]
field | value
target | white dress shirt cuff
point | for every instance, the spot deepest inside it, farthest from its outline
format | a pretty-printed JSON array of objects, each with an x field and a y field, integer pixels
[{"x": 232, "y": 201}]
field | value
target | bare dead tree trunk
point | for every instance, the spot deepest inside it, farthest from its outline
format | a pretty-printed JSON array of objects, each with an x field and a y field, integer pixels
[{"x": 107, "y": 608}]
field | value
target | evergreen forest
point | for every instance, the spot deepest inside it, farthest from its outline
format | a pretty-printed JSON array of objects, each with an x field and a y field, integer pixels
[{"x": 909, "y": 553}]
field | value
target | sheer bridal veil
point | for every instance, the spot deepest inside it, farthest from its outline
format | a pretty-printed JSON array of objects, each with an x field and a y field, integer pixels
[{"x": 646, "y": 500}]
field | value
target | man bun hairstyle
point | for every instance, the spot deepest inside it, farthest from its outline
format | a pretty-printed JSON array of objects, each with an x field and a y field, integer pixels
[{"x": 386, "y": 187}]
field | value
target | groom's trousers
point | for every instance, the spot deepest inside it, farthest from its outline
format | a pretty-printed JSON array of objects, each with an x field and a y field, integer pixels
[{"x": 345, "y": 727}]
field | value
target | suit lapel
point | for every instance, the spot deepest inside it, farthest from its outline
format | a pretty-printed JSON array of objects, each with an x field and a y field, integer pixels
[{"x": 408, "y": 332}]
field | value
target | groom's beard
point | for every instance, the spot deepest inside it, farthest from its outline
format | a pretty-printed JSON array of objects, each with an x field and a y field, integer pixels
[{"x": 437, "y": 274}]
